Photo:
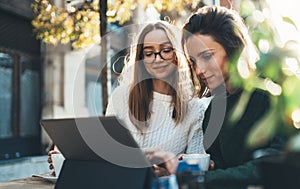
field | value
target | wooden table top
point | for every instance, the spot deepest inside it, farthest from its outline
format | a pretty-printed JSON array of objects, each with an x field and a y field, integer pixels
[{"x": 28, "y": 183}]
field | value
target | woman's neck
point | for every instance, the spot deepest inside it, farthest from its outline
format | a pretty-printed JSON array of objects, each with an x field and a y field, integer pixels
[
  {"x": 161, "y": 87},
  {"x": 221, "y": 89}
]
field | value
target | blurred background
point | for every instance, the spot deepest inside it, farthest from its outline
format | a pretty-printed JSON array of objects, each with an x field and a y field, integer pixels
[{"x": 61, "y": 58}]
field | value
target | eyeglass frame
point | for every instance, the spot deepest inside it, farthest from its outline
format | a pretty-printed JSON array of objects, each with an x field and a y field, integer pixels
[{"x": 158, "y": 53}]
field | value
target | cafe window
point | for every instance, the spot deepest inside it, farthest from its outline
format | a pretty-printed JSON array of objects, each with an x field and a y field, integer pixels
[
  {"x": 6, "y": 65},
  {"x": 30, "y": 97},
  {"x": 20, "y": 84},
  {"x": 20, "y": 105}
]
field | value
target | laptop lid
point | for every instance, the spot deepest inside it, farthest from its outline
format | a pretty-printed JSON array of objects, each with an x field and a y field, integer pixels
[{"x": 95, "y": 139}]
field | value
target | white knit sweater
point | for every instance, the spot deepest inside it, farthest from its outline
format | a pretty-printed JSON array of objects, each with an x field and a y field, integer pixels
[{"x": 162, "y": 132}]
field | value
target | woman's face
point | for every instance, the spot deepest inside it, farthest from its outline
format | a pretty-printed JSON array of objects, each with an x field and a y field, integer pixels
[
  {"x": 159, "y": 55},
  {"x": 209, "y": 59}
]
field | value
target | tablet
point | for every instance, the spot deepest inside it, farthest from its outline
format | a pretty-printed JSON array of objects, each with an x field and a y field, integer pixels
[{"x": 95, "y": 139}]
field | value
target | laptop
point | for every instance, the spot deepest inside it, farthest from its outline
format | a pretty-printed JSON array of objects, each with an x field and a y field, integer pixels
[
  {"x": 100, "y": 153},
  {"x": 95, "y": 139}
]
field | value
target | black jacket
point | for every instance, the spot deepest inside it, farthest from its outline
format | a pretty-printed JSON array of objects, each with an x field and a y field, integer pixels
[{"x": 234, "y": 164}]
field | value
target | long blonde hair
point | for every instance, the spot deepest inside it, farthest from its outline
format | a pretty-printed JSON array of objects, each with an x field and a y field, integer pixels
[{"x": 138, "y": 79}]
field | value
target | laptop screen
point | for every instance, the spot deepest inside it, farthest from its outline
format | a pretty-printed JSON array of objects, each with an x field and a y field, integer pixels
[{"x": 95, "y": 139}]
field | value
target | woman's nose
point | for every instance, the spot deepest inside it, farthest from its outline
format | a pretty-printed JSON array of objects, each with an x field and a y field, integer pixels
[
  {"x": 199, "y": 69},
  {"x": 157, "y": 57}
]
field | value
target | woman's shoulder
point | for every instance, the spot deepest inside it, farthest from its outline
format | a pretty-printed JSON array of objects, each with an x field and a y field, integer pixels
[
  {"x": 120, "y": 93},
  {"x": 120, "y": 90},
  {"x": 196, "y": 111},
  {"x": 259, "y": 98},
  {"x": 198, "y": 106},
  {"x": 200, "y": 102},
  {"x": 118, "y": 101},
  {"x": 259, "y": 93},
  {"x": 256, "y": 96}
]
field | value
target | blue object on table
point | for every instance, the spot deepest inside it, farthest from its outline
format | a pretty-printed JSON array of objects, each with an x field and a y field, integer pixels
[
  {"x": 166, "y": 182},
  {"x": 189, "y": 175}
]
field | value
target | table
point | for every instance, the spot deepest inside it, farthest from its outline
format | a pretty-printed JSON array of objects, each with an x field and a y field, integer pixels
[
  {"x": 28, "y": 183},
  {"x": 41, "y": 183}
]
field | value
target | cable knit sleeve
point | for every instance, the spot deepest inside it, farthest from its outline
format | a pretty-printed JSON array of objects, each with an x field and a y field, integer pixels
[
  {"x": 195, "y": 138},
  {"x": 195, "y": 142}
]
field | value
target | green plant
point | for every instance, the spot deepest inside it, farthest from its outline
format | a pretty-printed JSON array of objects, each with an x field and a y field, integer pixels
[
  {"x": 80, "y": 27},
  {"x": 279, "y": 69},
  {"x": 57, "y": 25}
]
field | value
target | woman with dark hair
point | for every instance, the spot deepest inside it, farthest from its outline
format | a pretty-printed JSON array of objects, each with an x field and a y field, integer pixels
[
  {"x": 215, "y": 37},
  {"x": 225, "y": 28}
]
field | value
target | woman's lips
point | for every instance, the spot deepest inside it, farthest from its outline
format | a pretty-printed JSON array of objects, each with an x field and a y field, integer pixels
[
  {"x": 206, "y": 79},
  {"x": 160, "y": 67}
]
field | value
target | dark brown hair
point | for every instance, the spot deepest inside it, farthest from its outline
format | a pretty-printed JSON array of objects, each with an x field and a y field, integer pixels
[{"x": 225, "y": 26}]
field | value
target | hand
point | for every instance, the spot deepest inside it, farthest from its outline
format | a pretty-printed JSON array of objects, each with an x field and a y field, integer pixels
[
  {"x": 51, "y": 167},
  {"x": 211, "y": 165},
  {"x": 180, "y": 157},
  {"x": 163, "y": 162},
  {"x": 160, "y": 171}
]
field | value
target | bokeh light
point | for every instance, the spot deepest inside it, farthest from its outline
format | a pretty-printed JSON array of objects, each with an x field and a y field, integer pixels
[
  {"x": 272, "y": 87},
  {"x": 296, "y": 118}
]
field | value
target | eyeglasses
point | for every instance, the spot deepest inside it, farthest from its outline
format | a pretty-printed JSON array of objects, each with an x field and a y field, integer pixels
[{"x": 165, "y": 54}]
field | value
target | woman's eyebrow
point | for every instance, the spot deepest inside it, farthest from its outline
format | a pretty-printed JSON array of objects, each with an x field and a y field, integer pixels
[
  {"x": 148, "y": 47},
  {"x": 166, "y": 43},
  {"x": 161, "y": 44},
  {"x": 203, "y": 52}
]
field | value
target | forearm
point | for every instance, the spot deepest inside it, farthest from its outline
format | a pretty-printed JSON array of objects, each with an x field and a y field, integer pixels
[{"x": 239, "y": 176}]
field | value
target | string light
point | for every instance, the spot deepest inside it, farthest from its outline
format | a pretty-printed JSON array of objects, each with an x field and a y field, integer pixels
[
  {"x": 296, "y": 118},
  {"x": 56, "y": 25},
  {"x": 273, "y": 88},
  {"x": 243, "y": 68}
]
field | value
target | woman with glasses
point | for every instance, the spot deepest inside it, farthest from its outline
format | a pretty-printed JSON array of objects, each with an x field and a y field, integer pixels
[{"x": 155, "y": 95}]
